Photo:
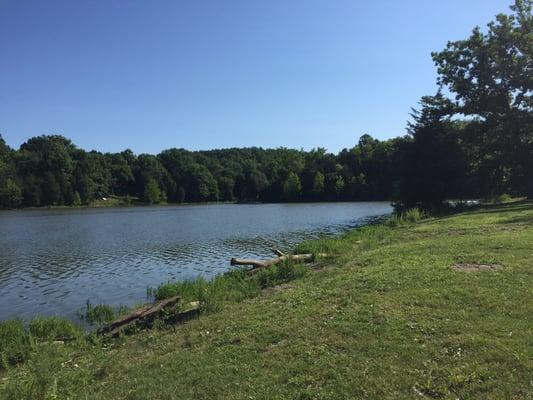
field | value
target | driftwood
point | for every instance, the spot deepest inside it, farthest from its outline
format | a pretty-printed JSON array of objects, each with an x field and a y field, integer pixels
[
  {"x": 260, "y": 264},
  {"x": 190, "y": 312},
  {"x": 145, "y": 315}
]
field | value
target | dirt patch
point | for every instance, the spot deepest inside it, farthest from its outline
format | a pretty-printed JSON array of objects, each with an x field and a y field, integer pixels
[
  {"x": 477, "y": 267},
  {"x": 278, "y": 288}
]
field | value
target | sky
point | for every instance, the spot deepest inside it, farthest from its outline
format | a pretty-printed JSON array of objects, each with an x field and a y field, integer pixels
[{"x": 199, "y": 74}]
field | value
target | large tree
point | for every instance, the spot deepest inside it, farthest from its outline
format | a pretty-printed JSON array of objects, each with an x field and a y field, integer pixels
[
  {"x": 490, "y": 76},
  {"x": 431, "y": 162}
]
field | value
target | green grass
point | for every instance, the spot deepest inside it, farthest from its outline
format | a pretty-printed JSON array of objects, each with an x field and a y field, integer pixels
[
  {"x": 385, "y": 317},
  {"x": 18, "y": 342},
  {"x": 230, "y": 287},
  {"x": 407, "y": 217},
  {"x": 99, "y": 314},
  {"x": 500, "y": 199}
]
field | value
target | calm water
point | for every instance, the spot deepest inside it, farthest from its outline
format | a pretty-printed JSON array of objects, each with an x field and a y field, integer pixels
[{"x": 52, "y": 261}]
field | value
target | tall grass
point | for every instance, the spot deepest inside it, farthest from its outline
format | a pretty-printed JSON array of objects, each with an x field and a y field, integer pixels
[
  {"x": 50, "y": 328},
  {"x": 17, "y": 341},
  {"x": 232, "y": 286},
  {"x": 407, "y": 217},
  {"x": 100, "y": 314}
]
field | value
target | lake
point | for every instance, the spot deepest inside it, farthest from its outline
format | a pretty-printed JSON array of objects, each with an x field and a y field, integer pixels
[{"x": 53, "y": 260}]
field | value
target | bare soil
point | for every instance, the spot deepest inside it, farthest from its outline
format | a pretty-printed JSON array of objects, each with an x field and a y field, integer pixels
[{"x": 477, "y": 267}]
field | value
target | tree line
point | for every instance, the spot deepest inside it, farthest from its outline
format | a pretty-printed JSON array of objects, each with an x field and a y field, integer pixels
[
  {"x": 51, "y": 170},
  {"x": 471, "y": 139}
]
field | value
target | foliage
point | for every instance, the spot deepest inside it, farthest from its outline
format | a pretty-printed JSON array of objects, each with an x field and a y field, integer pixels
[
  {"x": 98, "y": 315},
  {"x": 232, "y": 286},
  {"x": 409, "y": 216},
  {"x": 489, "y": 76},
  {"x": 152, "y": 194},
  {"x": 318, "y": 184},
  {"x": 292, "y": 187},
  {"x": 10, "y": 194},
  {"x": 51, "y": 170}
]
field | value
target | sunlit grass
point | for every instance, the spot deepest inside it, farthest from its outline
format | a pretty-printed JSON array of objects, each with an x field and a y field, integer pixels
[
  {"x": 384, "y": 316},
  {"x": 233, "y": 286}
]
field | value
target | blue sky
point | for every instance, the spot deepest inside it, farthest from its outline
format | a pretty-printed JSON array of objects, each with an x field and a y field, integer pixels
[{"x": 150, "y": 75}]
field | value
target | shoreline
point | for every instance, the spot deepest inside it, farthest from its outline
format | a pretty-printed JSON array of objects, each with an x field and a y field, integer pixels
[
  {"x": 390, "y": 296},
  {"x": 142, "y": 205},
  {"x": 77, "y": 316}
]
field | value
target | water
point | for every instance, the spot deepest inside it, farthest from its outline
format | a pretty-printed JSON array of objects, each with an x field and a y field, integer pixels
[{"x": 53, "y": 261}]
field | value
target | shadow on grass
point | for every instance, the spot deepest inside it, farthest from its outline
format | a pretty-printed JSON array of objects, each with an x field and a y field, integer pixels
[
  {"x": 514, "y": 206},
  {"x": 521, "y": 219},
  {"x": 501, "y": 208}
]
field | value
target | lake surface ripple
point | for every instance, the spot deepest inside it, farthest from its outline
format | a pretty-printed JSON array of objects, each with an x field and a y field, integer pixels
[{"x": 52, "y": 261}]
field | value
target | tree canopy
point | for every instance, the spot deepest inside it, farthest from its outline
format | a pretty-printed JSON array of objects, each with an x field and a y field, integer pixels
[{"x": 51, "y": 170}]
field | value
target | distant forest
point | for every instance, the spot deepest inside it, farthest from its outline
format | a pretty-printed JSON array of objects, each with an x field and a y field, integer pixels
[{"x": 473, "y": 138}]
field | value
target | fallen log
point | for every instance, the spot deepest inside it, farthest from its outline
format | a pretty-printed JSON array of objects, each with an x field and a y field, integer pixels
[
  {"x": 278, "y": 252},
  {"x": 260, "y": 264},
  {"x": 191, "y": 311},
  {"x": 145, "y": 315}
]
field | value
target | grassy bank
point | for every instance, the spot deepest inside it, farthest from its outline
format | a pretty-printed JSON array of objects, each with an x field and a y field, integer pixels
[{"x": 386, "y": 317}]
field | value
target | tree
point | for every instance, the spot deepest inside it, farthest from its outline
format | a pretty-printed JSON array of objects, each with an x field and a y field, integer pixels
[
  {"x": 4, "y": 150},
  {"x": 76, "y": 201},
  {"x": 51, "y": 190},
  {"x": 318, "y": 185},
  {"x": 201, "y": 186},
  {"x": 148, "y": 167},
  {"x": 152, "y": 193},
  {"x": 180, "y": 194},
  {"x": 31, "y": 191},
  {"x": 121, "y": 173},
  {"x": 490, "y": 76},
  {"x": 256, "y": 183},
  {"x": 226, "y": 185},
  {"x": 433, "y": 163},
  {"x": 10, "y": 194},
  {"x": 339, "y": 185},
  {"x": 292, "y": 187}
]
